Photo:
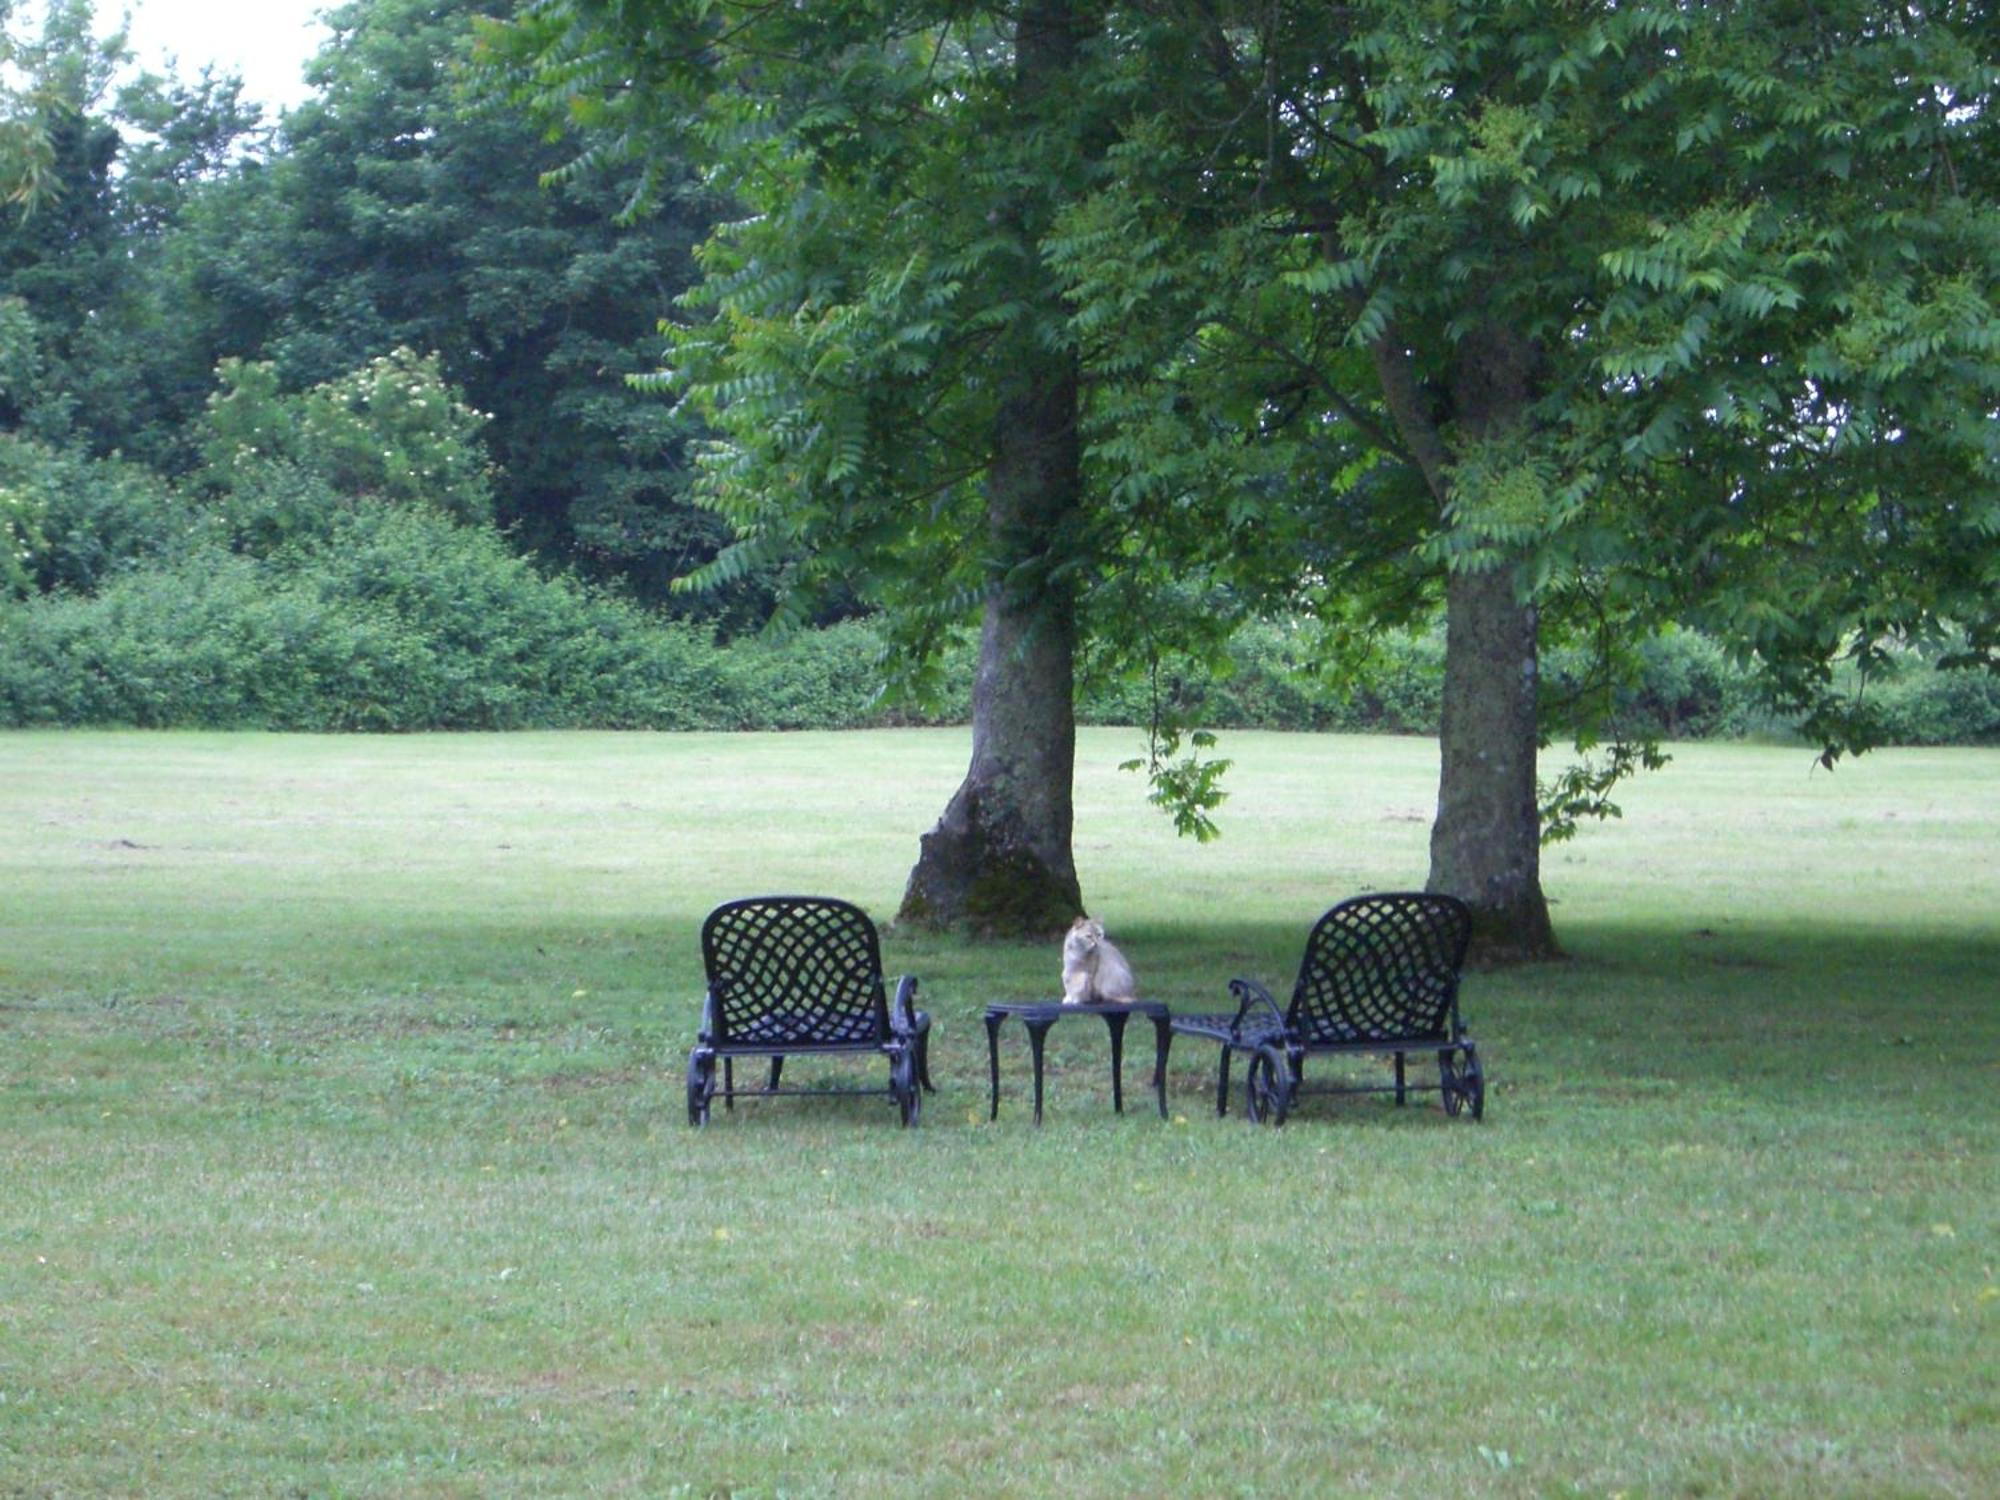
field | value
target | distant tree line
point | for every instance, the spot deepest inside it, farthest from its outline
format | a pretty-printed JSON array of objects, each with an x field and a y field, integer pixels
[{"x": 175, "y": 232}]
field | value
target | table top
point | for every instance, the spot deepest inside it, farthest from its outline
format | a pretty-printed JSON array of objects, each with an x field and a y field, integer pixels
[{"x": 1157, "y": 1009}]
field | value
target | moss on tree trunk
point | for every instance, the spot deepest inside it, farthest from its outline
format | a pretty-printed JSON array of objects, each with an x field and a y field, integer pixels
[{"x": 999, "y": 861}]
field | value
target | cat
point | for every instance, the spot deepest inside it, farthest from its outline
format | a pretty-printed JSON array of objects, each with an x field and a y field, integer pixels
[{"x": 1093, "y": 968}]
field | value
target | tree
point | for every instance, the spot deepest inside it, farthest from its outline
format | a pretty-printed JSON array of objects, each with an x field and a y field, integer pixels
[
  {"x": 392, "y": 430},
  {"x": 1584, "y": 318},
  {"x": 122, "y": 365},
  {"x": 61, "y": 261},
  {"x": 398, "y": 212},
  {"x": 1000, "y": 856},
  {"x": 1662, "y": 308},
  {"x": 26, "y": 152},
  {"x": 887, "y": 357}
]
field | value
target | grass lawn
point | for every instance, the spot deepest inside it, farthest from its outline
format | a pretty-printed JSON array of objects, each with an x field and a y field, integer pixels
[{"x": 342, "y": 1141}]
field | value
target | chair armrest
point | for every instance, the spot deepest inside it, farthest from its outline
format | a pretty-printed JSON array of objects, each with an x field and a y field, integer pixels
[
  {"x": 706, "y": 1036},
  {"x": 1250, "y": 995},
  {"x": 903, "y": 1013}
]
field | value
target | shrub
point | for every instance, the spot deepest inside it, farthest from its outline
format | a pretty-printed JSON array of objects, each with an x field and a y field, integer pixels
[
  {"x": 397, "y": 620},
  {"x": 1274, "y": 681},
  {"x": 78, "y": 520},
  {"x": 391, "y": 430},
  {"x": 272, "y": 505},
  {"x": 1923, "y": 705},
  {"x": 299, "y": 610}
]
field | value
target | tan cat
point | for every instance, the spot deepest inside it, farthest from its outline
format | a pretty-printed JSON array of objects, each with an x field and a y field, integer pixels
[{"x": 1093, "y": 968}]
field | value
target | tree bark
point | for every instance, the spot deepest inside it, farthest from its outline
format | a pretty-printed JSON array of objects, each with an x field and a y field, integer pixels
[
  {"x": 999, "y": 862},
  {"x": 1486, "y": 842},
  {"x": 1486, "y": 839}
]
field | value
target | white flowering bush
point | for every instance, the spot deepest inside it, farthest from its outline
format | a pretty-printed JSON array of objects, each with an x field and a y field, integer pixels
[
  {"x": 20, "y": 539},
  {"x": 392, "y": 430}
]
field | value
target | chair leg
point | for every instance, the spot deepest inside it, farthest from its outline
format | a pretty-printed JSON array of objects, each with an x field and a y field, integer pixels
[
  {"x": 777, "y": 1067},
  {"x": 924, "y": 1062},
  {"x": 1222, "y": 1086},
  {"x": 729, "y": 1083},
  {"x": 1402, "y": 1094}
]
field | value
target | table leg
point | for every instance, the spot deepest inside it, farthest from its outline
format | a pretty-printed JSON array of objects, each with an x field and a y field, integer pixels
[
  {"x": 1115, "y": 1020},
  {"x": 1038, "y": 1032},
  {"x": 993, "y": 1020},
  {"x": 1163, "y": 1038}
]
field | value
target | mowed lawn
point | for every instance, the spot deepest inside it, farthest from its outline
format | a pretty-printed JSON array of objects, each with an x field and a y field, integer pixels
[{"x": 343, "y": 1145}]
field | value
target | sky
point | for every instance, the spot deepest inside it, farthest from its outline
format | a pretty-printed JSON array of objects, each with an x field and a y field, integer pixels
[{"x": 267, "y": 41}]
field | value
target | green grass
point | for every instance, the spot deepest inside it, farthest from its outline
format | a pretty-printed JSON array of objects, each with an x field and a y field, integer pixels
[{"x": 343, "y": 1142}]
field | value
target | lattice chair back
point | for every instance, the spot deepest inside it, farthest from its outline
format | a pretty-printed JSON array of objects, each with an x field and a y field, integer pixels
[
  {"x": 800, "y": 969},
  {"x": 1382, "y": 967}
]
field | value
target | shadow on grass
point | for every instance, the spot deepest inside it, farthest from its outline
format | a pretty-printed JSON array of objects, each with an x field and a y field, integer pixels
[{"x": 1796, "y": 1015}]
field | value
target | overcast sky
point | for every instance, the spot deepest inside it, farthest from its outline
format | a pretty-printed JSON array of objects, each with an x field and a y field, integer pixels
[{"x": 267, "y": 41}]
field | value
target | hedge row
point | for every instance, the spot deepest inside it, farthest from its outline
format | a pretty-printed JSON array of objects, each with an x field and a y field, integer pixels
[{"x": 396, "y": 619}]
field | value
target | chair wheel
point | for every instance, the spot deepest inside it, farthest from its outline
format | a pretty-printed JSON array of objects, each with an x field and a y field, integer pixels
[
  {"x": 1267, "y": 1092},
  {"x": 905, "y": 1084},
  {"x": 701, "y": 1087},
  {"x": 1463, "y": 1085}
]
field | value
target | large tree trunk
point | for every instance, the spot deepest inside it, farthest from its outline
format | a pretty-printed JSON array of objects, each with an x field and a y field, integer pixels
[
  {"x": 999, "y": 860},
  {"x": 1486, "y": 840},
  {"x": 1486, "y": 845}
]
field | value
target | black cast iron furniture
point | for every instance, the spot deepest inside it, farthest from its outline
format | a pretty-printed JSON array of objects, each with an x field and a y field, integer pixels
[
  {"x": 1380, "y": 975},
  {"x": 790, "y": 975},
  {"x": 1038, "y": 1016}
]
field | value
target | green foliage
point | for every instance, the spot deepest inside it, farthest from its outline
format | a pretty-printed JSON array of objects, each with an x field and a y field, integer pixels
[
  {"x": 1683, "y": 313},
  {"x": 368, "y": 617},
  {"x": 122, "y": 345},
  {"x": 1275, "y": 675},
  {"x": 79, "y": 520},
  {"x": 1583, "y": 788},
  {"x": 397, "y": 620},
  {"x": 1912, "y": 700},
  {"x": 1655, "y": 308},
  {"x": 174, "y": 231},
  {"x": 28, "y": 405},
  {"x": 20, "y": 538},
  {"x": 285, "y": 607},
  {"x": 391, "y": 430},
  {"x": 853, "y": 356},
  {"x": 1188, "y": 789},
  {"x": 399, "y": 212},
  {"x": 812, "y": 679},
  {"x": 27, "y": 154}
]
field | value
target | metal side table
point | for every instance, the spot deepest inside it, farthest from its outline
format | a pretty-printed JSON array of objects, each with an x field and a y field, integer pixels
[{"x": 1040, "y": 1015}]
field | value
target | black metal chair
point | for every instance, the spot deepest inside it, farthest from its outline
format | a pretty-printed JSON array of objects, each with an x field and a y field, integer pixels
[
  {"x": 1380, "y": 976},
  {"x": 801, "y": 974}
]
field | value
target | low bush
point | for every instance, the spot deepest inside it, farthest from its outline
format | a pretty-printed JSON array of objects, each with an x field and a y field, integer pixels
[
  {"x": 1684, "y": 687},
  {"x": 1919, "y": 704},
  {"x": 86, "y": 519},
  {"x": 398, "y": 620},
  {"x": 286, "y": 607}
]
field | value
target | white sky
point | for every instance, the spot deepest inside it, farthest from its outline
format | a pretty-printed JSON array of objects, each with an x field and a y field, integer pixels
[{"x": 267, "y": 41}]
